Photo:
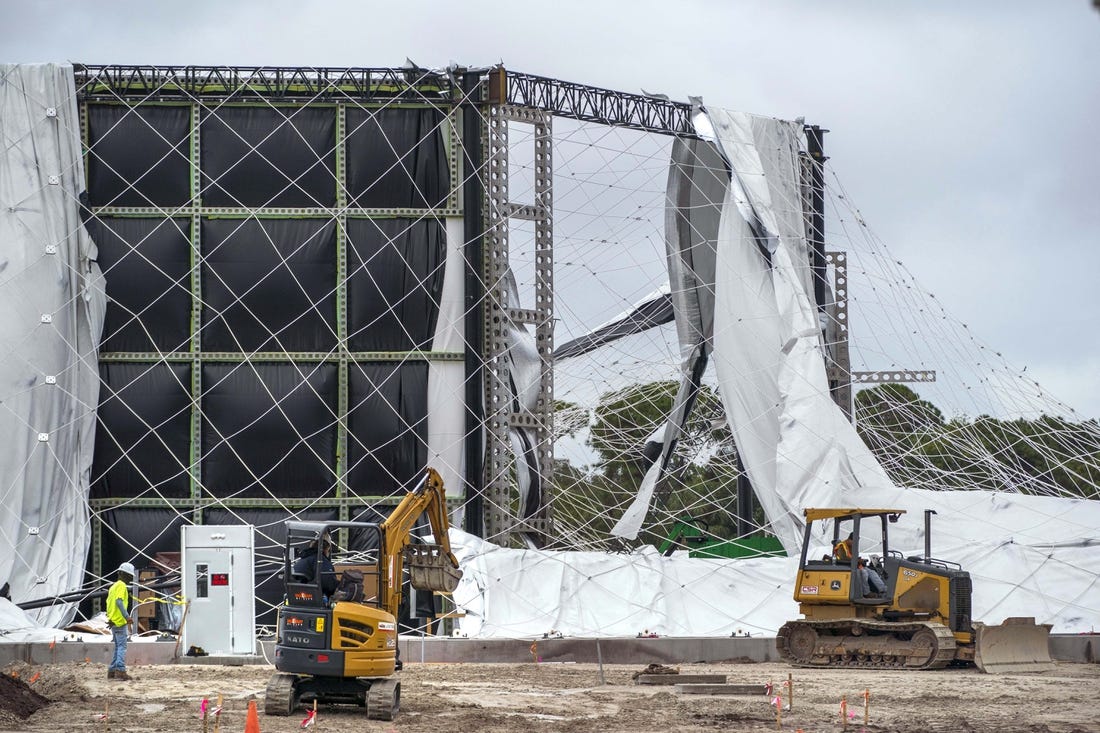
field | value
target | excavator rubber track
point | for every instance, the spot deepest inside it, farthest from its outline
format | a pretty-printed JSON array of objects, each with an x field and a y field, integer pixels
[
  {"x": 866, "y": 643},
  {"x": 280, "y": 696},
  {"x": 383, "y": 699}
]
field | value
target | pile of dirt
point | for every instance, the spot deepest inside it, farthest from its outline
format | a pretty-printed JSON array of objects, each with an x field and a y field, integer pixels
[{"x": 17, "y": 698}]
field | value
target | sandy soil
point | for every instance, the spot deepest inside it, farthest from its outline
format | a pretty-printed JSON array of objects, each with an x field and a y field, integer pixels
[{"x": 559, "y": 698}]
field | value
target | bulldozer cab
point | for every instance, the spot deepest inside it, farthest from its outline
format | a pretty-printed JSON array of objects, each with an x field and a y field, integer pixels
[{"x": 837, "y": 567}]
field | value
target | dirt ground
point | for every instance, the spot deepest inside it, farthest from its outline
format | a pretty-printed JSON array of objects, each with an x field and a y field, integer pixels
[{"x": 560, "y": 698}]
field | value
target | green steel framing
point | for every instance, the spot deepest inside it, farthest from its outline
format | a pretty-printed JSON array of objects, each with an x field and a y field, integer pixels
[{"x": 196, "y": 212}]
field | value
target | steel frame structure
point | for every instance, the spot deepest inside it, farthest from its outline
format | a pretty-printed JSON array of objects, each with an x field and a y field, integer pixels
[
  {"x": 196, "y": 87},
  {"x": 480, "y": 104}
]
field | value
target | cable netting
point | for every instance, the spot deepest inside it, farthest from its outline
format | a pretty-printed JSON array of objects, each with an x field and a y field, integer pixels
[{"x": 288, "y": 323}]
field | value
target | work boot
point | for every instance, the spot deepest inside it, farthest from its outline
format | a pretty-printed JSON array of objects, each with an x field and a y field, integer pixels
[
  {"x": 121, "y": 675},
  {"x": 110, "y": 674}
]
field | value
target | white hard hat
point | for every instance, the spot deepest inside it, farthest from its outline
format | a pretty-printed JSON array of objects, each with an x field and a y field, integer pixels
[{"x": 127, "y": 568}]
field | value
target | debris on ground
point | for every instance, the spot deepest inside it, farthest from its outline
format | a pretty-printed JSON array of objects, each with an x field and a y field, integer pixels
[{"x": 656, "y": 669}]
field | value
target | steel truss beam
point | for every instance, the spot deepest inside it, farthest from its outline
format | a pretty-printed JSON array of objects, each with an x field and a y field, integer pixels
[
  {"x": 164, "y": 83},
  {"x": 593, "y": 104},
  {"x": 558, "y": 97}
]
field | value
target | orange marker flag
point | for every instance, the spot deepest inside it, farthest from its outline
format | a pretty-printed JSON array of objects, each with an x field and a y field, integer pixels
[
  {"x": 35, "y": 678},
  {"x": 252, "y": 722}
]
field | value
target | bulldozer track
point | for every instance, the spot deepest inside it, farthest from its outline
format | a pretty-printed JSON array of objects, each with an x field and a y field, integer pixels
[
  {"x": 279, "y": 696},
  {"x": 866, "y": 643}
]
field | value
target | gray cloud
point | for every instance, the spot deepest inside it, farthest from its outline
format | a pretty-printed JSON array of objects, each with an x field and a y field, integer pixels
[{"x": 965, "y": 132}]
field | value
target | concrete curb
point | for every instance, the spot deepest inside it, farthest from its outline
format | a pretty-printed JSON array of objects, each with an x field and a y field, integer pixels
[{"x": 1081, "y": 648}]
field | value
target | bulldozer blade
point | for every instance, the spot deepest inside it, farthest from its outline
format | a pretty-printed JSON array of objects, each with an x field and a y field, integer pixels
[{"x": 1017, "y": 645}]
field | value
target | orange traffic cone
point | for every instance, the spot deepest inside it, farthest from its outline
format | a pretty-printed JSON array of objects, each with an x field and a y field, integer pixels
[{"x": 252, "y": 722}]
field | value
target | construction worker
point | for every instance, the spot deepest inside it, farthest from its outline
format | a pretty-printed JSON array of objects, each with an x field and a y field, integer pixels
[
  {"x": 842, "y": 551},
  {"x": 305, "y": 566},
  {"x": 119, "y": 618}
]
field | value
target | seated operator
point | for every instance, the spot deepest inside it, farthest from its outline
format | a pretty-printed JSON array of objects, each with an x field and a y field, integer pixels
[
  {"x": 306, "y": 565},
  {"x": 870, "y": 581},
  {"x": 842, "y": 551}
]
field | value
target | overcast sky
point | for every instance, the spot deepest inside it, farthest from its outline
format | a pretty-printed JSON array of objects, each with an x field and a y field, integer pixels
[{"x": 966, "y": 132}]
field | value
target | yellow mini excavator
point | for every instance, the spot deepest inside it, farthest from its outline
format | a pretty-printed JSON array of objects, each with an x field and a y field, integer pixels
[
  {"x": 894, "y": 612},
  {"x": 338, "y": 643}
]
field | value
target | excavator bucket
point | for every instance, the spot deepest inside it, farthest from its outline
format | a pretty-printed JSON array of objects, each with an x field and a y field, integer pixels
[
  {"x": 430, "y": 568},
  {"x": 1017, "y": 645}
]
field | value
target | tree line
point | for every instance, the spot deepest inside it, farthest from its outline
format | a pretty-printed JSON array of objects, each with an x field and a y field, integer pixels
[{"x": 910, "y": 436}]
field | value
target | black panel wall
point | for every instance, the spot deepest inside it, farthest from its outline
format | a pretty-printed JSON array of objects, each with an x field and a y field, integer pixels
[
  {"x": 143, "y": 436},
  {"x": 269, "y": 285},
  {"x": 395, "y": 278},
  {"x": 273, "y": 270},
  {"x": 388, "y": 426},
  {"x": 269, "y": 429},
  {"x": 397, "y": 158},
  {"x": 269, "y": 156},
  {"x": 147, "y": 266},
  {"x": 139, "y": 156}
]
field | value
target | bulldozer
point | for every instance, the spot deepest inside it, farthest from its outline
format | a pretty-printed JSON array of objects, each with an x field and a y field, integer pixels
[
  {"x": 337, "y": 636},
  {"x": 916, "y": 616}
]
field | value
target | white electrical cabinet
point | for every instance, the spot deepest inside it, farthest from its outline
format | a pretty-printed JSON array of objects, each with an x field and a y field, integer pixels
[{"x": 216, "y": 564}]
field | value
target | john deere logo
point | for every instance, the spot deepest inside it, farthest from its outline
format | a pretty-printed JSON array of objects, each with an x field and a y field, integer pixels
[{"x": 835, "y": 585}]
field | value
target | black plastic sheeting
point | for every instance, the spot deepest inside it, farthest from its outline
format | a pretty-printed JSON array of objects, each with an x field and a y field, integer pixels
[
  {"x": 397, "y": 158},
  {"x": 269, "y": 429},
  {"x": 156, "y": 530},
  {"x": 147, "y": 266},
  {"x": 387, "y": 426},
  {"x": 268, "y": 156},
  {"x": 395, "y": 280},
  {"x": 143, "y": 437},
  {"x": 269, "y": 285},
  {"x": 139, "y": 156},
  {"x": 654, "y": 312}
]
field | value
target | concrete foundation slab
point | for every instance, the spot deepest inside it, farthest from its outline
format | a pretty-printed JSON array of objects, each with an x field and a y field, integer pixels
[
  {"x": 721, "y": 689},
  {"x": 680, "y": 679}
]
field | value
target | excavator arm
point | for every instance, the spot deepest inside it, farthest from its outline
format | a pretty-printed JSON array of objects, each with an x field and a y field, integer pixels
[{"x": 431, "y": 567}]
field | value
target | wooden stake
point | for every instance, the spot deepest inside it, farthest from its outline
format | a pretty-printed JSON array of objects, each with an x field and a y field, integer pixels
[
  {"x": 179, "y": 631},
  {"x": 205, "y": 715},
  {"x": 790, "y": 691},
  {"x": 844, "y": 712},
  {"x": 106, "y": 716},
  {"x": 315, "y": 726},
  {"x": 218, "y": 710},
  {"x": 599, "y": 660},
  {"x": 866, "y": 706},
  {"x": 778, "y": 711}
]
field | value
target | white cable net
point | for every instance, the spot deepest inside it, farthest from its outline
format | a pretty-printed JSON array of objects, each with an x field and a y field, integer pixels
[{"x": 277, "y": 381}]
